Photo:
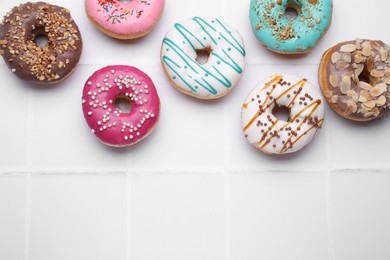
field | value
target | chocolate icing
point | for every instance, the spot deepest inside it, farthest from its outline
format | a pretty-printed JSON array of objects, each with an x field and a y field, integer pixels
[{"x": 50, "y": 63}]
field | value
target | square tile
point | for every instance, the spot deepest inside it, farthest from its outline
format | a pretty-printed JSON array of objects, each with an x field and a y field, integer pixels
[
  {"x": 185, "y": 138},
  {"x": 176, "y": 216},
  {"x": 78, "y": 216},
  {"x": 61, "y": 136},
  {"x": 14, "y": 102},
  {"x": 12, "y": 217},
  {"x": 358, "y": 145},
  {"x": 360, "y": 210},
  {"x": 278, "y": 216}
]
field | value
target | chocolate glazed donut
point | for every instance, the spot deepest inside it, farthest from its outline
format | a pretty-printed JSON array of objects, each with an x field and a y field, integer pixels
[
  {"x": 47, "y": 64},
  {"x": 355, "y": 79}
]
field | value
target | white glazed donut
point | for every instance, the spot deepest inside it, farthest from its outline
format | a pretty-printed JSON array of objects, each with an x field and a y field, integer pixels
[
  {"x": 271, "y": 135},
  {"x": 225, "y": 64}
]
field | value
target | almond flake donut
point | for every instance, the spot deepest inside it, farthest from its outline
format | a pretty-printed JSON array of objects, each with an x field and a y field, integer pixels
[
  {"x": 124, "y": 20},
  {"x": 225, "y": 63},
  {"x": 106, "y": 120},
  {"x": 272, "y": 135},
  {"x": 355, "y": 79},
  {"x": 285, "y": 35}
]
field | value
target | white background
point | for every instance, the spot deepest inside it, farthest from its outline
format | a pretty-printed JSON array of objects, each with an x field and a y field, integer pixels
[{"x": 195, "y": 189}]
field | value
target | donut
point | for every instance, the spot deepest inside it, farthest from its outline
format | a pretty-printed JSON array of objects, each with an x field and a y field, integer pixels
[
  {"x": 50, "y": 63},
  {"x": 355, "y": 79},
  {"x": 225, "y": 63},
  {"x": 272, "y": 135},
  {"x": 283, "y": 34},
  {"x": 124, "y": 19},
  {"x": 108, "y": 121}
]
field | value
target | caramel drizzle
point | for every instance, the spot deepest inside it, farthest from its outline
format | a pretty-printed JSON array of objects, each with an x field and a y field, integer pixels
[
  {"x": 266, "y": 133},
  {"x": 258, "y": 113},
  {"x": 317, "y": 125},
  {"x": 267, "y": 85},
  {"x": 316, "y": 104}
]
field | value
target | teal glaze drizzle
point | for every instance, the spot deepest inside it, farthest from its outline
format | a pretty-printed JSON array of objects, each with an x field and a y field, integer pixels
[
  {"x": 312, "y": 22},
  {"x": 201, "y": 75}
]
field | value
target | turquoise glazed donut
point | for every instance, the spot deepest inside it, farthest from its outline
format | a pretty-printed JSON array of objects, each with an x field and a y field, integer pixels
[{"x": 285, "y": 35}]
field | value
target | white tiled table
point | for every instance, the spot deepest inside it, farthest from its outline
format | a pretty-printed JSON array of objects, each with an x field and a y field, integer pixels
[{"x": 194, "y": 189}]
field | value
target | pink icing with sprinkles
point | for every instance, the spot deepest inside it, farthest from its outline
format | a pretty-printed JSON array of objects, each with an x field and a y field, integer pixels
[
  {"x": 134, "y": 17},
  {"x": 108, "y": 122}
]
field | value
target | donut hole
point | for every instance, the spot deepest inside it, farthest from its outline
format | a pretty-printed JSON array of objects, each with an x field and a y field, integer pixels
[
  {"x": 281, "y": 112},
  {"x": 364, "y": 76},
  {"x": 39, "y": 37},
  {"x": 125, "y": 1},
  {"x": 123, "y": 104},
  {"x": 41, "y": 40},
  {"x": 292, "y": 10},
  {"x": 203, "y": 55}
]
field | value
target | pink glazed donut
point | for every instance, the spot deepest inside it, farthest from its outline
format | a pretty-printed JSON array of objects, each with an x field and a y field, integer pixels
[
  {"x": 104, "y": 116},
  {"x": 124, "y": 20}
]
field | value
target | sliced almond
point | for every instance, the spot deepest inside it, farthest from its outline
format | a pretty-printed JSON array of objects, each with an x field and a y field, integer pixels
[
  {"x": 342, "y": 66},
  {"x": 365, "y": 44},
  {"x": 375, "y": 45},
  {"x": 358, "y": 43},
  {"x": 348, "y": 48},
  {"x": 351, "y": 93},
  {"x": 335, "y": 57},
  {"x": 376, "y": 112},
  {"x": 365, "y": 85},
  {"x": 387, "y": 81},
  {"x": 366, "y": 94},
  {"x": 352, "y": 106},
  {"x": 381, "y": 101},
  {"x": 334, "y": 80},
  {"x": 334, "y": 99},
  {"x": 384, "y": 54},
  {"x": 362, "y": 99},
  {"x": 359, "y": 58},
  {"x": 364, "y": 109},
  {"x": 359, "y": 69},
  {"x": 366, "y": 51},
  {"x": 369, "y": 114},
  {"x": 370, "y": 64},
  {"x": 346, "y": 57},
  {"x": 378, "y": 90},
  {"x": 345, "y": 84},
  {"x": 370, "y": 104},
  {"x": 377, "y": 73}
]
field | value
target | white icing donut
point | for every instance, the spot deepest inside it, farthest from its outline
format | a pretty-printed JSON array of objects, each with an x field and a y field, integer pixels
[
  {"x": 225, "y": 64},
  {"x": 271, "y": 135}
]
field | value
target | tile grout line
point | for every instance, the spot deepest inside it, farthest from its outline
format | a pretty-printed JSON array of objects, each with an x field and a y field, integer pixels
[
  {"x": 28, "y": 199},
  {"x": 128, "y": 215},
  {"x": 227, "y": 215},
  {"x": 129, "y": 177},
  {"x": 27, "y": 219},
  {"x": 328, "y": 198},
  {"x": 226, "y": 179}
]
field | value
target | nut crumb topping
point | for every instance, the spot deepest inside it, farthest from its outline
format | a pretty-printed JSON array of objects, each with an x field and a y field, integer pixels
[{"x": 20, "y": 29}]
